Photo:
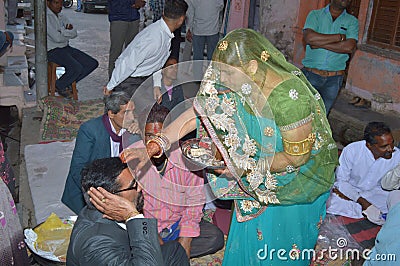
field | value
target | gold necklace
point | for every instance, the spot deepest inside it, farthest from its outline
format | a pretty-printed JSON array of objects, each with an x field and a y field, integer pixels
[{"x": 163, "y": 168}]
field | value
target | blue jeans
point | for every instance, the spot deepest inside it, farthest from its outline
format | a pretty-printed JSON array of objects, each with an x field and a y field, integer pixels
[
  {"x": 4, "y": 44},
  {"x": 78, "y": 5},
  {"x": 328, "y": 87},
  {"x": 77, "y": 65},
  {"x": 199, "y": 42}
]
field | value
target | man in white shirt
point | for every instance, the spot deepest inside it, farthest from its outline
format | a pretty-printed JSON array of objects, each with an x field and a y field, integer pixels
[
  {"x": 148, "y": 51},
  {"x": 357, "y": 191},
  {"x": 77, "y": 64}
]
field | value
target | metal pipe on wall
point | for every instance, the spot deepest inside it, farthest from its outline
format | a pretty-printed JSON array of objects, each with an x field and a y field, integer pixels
[{"x": 40, "y": 51}]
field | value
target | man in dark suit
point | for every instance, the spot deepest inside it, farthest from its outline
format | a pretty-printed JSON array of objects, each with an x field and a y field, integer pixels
[
  {"x": 128, "y": 240},
  {"x": 97, "y": 138}
]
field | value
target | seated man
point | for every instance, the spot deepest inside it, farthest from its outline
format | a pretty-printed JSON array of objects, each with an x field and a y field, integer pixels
[
  {"x": 362, "y": 164},
  {"x": 77, "y": 64},
  {"x": 130, "y": 240},
  {"x": 175, "y": 197},
  {"x": 6, "y": 41},
  {"x": 97, "y": 138}
]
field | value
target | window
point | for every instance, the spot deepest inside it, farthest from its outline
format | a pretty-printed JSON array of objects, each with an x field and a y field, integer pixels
[{"x": 384, "y": 30}]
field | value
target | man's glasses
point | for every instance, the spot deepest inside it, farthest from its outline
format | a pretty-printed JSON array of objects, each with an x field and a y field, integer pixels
[{"x": 132, "y": 186}]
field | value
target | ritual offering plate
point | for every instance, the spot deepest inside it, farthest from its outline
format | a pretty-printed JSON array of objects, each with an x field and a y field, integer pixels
[{"x": 203, "y": 153}]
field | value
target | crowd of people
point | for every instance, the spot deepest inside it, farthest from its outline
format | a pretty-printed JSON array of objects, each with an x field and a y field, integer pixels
[{"x": 138, "y": 198}]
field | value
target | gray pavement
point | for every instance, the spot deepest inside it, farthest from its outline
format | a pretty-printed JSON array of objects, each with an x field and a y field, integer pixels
[{"x": 93, "y": 39}]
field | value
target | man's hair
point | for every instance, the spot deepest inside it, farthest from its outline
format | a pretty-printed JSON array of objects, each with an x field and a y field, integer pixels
[
  {"x": 158, "y": 114},
  {"x": 174, "y": 9},
  {"x": 102, "y": 173},
  {"x": 374, "y": 129},
  {"x": 114, "y": 101}
]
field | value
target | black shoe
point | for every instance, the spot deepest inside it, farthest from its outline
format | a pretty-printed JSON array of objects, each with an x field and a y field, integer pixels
[
  {"x": 65, "y": 94},
  {"x": 77, "y": 10}
]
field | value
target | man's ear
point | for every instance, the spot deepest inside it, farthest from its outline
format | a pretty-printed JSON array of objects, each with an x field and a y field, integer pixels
[
  {"x": 110, "y": 114},
  {"x": 252, "y": 67}
]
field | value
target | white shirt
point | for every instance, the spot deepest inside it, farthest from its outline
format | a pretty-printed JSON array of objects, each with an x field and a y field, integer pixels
[
  {"x": 115, "y": 145},
  {"x": 203, "y": 16},
  {"x": 146, "y": 54},
  {"x": 123, "y": 225},
  {"x": 359, "y": 175},
  {"x": 391, "y": 179},
  {"x": 57, "y": 35}
]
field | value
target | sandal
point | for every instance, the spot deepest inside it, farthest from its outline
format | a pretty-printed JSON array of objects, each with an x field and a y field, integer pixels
[{"x": 355, "y": 100}]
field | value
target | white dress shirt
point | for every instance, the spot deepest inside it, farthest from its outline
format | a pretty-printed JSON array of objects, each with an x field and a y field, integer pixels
[
  {"x": 359, "y": 175},
  {"x": 115, "y": 145},
  {"x": 146, "y": 54},
  {"x": 203, "y": 16},
  {"x": 57, "y": 35}
]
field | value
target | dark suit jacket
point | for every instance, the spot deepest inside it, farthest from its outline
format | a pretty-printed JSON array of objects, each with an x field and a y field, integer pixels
[
  {"x": 177, "y": 96},
  {"x": 92, "y": 142},
  {"x": 98, "y": 241}
]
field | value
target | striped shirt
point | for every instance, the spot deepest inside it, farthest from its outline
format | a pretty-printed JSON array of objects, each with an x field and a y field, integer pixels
[{"x": 178, "y": 194}]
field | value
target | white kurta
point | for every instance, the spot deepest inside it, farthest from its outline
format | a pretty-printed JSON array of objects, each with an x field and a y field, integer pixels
[{"x": 359, "y": 175}]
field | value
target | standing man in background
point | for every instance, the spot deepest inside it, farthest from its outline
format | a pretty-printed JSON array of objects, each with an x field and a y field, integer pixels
[
  {"x": 124, "y": 20},
  {"x": 148, "y": 51},
  {"x": 203, "y": 27},
  {"x": 330, "y": 35}
]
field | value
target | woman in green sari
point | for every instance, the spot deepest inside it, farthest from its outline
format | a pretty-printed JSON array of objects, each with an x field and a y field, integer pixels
[{"x": 270, "y": 126}]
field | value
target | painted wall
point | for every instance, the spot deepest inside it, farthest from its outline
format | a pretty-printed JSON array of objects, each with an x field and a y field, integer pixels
[
  {"x": 371, "y": 75},
  {"x": 278, "y": 22}
]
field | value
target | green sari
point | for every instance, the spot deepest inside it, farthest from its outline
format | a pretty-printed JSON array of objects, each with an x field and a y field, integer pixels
[{"x": 273, "y": 210}]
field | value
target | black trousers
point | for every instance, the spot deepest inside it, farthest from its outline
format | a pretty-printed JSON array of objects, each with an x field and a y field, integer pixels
[{"x": 210, "y": 240}]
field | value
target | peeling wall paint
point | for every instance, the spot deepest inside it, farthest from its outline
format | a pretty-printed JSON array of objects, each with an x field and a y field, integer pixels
[{"x": 277, "y": 22}]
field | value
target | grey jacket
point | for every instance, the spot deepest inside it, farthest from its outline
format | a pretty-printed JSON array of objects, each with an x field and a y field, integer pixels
[{"x": 98, "y": 241}]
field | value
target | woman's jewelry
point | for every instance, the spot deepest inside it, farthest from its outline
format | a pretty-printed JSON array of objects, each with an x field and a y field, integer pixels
[
  {"x": 103, "y": 200},
  {"x": 131, "y": 214},
  {"x": 162, "y": 141},
  {"x": 299, "y": 147}
]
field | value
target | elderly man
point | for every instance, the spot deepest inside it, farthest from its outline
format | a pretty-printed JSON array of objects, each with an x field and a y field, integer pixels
[
  {"x": 128, "y": 240},
  {"x": 77, "y": 64},
  {"x": 97, "y": 138},
  {"x": 357, "y": 190}
]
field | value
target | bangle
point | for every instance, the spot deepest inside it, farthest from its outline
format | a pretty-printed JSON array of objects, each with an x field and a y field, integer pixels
[
  {"x": 341, "y": 37},
  {"x": 155, "y": 140},
  {"x": 131, "y": 214},
  {"x": 162, "y": 141}
]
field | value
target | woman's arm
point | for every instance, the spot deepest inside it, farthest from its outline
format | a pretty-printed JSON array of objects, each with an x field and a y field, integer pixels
[{"x": 287, "y": 158}]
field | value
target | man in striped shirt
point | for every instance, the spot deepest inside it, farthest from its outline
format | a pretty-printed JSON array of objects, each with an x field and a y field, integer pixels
[{"x": 175, "y": 197}]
